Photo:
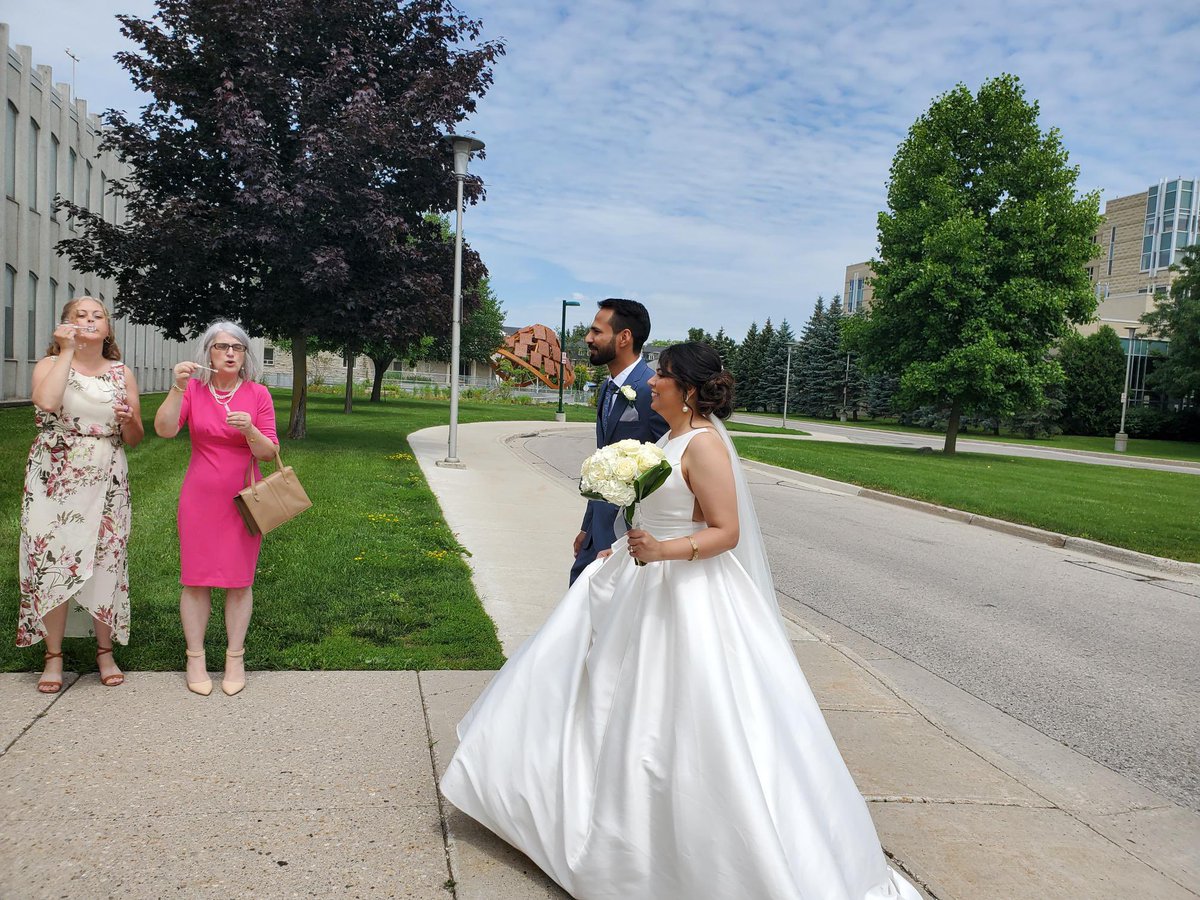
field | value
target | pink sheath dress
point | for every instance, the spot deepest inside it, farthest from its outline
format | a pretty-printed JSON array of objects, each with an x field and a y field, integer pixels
[{"x": 215, "y": 550}]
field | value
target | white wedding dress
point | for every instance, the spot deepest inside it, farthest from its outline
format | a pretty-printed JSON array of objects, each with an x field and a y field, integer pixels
[{"x": 656, "y": 739}]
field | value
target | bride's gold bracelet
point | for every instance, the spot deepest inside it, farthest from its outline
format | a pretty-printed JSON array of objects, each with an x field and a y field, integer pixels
[{"x": 695, "y": 549}]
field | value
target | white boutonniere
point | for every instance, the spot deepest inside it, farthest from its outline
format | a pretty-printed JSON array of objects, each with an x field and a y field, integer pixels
[{"x": 628, "y": 393}]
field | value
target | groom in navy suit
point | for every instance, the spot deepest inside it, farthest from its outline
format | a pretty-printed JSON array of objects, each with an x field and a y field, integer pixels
[{"x": 615, "y": 339}]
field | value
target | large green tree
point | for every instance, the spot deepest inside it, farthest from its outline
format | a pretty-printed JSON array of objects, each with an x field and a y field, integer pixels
[
  {"x": 1177, "y": 319},
  {"x": 1094, "y": 375},
  {"x": 983, "y": 253},
  {"x": 285, "y": 167}
]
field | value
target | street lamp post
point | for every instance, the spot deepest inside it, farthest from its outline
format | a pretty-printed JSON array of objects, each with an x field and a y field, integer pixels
[
  {"x": 1122, "y": 439},
  {"x": 787, "y": 382},
  {"x": 561, "y": 415},
  {"x": 846, "y": 390},
  {"x": 463, "y": 148}
]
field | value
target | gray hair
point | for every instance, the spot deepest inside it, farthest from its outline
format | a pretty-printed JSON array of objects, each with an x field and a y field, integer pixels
[{"x": 251, "y": 367}]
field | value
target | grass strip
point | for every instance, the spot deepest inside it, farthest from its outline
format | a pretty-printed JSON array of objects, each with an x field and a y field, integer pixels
[
  {"x": 1140, "y": 509},
  {"x": 370, "y": 578},
  {"x": 761, "y": 429},
  {"x": 1188, "y": 451}
]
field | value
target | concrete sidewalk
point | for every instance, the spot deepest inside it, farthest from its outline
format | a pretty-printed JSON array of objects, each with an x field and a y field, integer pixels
[{"x": 323, "y": 783}]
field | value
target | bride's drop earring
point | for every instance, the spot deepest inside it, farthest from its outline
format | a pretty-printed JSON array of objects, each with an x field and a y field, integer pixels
[{"x": 686, "y": 408}]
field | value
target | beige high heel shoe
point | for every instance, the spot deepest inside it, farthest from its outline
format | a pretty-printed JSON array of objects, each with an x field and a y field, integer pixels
[
  {"x": 203, "y": 688},
  {"x": 232, "y": 687}
]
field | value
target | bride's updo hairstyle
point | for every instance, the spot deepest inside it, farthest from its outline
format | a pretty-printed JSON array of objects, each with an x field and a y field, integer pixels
[{"x": 695, "y": 365}]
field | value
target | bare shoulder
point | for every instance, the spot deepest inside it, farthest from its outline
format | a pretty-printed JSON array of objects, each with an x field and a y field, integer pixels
[
  {"x": 706, "y": 450},
  {"x": 46, "y": 362}
]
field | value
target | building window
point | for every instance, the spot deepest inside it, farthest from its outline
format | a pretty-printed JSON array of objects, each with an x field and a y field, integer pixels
[
  {"x": 70, "y": 291},
  {"x": 87, "y": 188},
  {"x": 53, "y": 173},
  {"x": 31, "y": 325},
  {"x": 35, "y": 133},
  {"x": 71, "y": 161},
  {"x": 1112, "y": 248},
  {"x": 268, "y": 356},
  {"x": 103, "y": 191},
  {"x": 10, "y": 150},
  {"x": 10, "y": 303},
  {"x": 53, "y": 304}
]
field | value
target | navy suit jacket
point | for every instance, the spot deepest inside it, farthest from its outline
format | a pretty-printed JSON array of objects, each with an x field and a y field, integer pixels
[{"x": 627, "y": 420}]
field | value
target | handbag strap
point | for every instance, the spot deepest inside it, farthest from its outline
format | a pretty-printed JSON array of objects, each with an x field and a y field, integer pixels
[{"x": 250, "y": 480}]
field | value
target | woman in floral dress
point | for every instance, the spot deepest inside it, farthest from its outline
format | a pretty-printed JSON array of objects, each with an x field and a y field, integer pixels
[{"x": 75, "y": 511}]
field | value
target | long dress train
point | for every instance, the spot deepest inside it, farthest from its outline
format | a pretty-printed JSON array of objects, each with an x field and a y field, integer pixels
[{"x": 656, "y": 740}]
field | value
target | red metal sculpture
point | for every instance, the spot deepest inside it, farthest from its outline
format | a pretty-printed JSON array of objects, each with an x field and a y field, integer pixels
[{"x": 535, "y": 351}]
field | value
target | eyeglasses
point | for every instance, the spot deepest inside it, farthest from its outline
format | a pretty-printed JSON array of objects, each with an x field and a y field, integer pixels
[{"x": 221, "y": 347}]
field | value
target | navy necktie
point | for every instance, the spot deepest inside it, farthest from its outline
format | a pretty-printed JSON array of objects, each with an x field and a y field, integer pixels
[{"x": 610, "y": 388}]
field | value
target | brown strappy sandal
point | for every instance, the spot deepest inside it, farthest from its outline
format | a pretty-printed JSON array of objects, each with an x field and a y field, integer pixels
[
  {"x": 116, "y": 678},
  {"x": 51, "y": 687}
]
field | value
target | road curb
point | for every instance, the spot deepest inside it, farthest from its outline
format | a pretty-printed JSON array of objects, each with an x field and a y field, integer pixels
[{"x": 1028, "y": 532}]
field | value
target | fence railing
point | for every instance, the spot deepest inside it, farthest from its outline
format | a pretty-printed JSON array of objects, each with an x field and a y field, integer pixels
[{"x": 437, "y": 385}]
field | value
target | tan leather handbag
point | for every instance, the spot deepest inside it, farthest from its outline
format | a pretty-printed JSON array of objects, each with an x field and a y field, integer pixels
[{"x": 268, "y": 503}]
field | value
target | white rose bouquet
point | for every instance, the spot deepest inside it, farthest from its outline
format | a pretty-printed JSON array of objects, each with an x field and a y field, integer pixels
[{"x": 623, "y": 474}]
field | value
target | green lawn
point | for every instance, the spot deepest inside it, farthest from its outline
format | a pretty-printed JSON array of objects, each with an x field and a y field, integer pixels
[
  {"x": 1154, "y": 512},
  {"x": 763, "y": 429},
  {"x": 369, "y": 578},
  {"x": 1185, "y": 450}
]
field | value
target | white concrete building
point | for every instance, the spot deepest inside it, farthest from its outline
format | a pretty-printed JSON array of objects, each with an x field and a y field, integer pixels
[{"x": 48, "y": 146}]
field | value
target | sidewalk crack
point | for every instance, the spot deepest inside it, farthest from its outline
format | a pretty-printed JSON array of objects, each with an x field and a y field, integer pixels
[{"x": 451, "y": 885}]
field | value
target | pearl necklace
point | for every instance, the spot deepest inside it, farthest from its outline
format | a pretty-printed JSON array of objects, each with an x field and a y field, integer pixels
[{"x": 224, "y": 397}]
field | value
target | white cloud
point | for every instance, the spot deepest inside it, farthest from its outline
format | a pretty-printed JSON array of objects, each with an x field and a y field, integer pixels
[{"x": 723, "y": 161}]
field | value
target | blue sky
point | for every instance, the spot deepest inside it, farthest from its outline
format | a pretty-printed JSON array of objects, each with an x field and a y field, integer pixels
[{"x": 724, "y": 161}]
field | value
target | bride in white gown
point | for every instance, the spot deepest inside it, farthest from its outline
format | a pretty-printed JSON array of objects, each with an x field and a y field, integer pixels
[{"x": 656, "y": 739}]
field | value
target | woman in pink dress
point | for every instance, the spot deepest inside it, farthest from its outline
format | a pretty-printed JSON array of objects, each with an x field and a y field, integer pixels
[{"x": 231, "y": 422}]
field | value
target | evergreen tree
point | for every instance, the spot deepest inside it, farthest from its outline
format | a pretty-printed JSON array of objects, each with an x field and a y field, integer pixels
[
  {"x": 881, "y": 393},
  {"x": 727, "y": 347},
  {"x": 748, "y": 365},
  {"x": 803, "y": 363},
  {"x": 775, "y": 368}
]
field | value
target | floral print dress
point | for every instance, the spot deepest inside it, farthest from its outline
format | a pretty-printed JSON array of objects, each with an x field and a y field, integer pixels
[{"x": 75, "y": 513}]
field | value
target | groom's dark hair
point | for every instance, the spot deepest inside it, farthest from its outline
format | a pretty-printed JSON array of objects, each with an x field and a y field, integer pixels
[{"x": 629, "y": 314}]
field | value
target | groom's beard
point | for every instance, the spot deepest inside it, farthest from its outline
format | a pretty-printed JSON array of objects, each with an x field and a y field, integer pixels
[{"x": 602, "y": 354}]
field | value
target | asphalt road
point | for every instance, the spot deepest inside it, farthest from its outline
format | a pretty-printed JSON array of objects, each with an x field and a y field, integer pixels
[
  {"x": 852, "y": 435},
  {"x": 1093, "y": 654}
]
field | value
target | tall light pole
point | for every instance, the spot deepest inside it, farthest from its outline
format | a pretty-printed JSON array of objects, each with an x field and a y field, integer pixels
[
  {"x": 1122, "y": 439},
  {"x": 787, "y": 381},
  {"x": 846, "y": 390},
  {"x": 463, "y": 148},
  {"x": 74, "y": 59},
  {"x": 561, "y": 415}
]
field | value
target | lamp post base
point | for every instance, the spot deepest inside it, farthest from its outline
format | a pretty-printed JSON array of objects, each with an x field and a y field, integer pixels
[
  {"x": 560, "y": 417},
  {"x": 450, "y": 463},
  {"x": 1121, "y": 442}
]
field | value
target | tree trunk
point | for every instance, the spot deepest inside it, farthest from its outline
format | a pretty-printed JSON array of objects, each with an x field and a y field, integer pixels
[
  {"x": 952, "y": 427},
  {"x": 349, "y": 406},
  {"x": 298, "y": 421},
  {"x": 382, "y": 364}
]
